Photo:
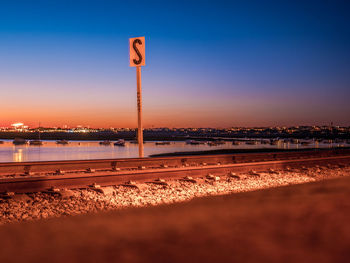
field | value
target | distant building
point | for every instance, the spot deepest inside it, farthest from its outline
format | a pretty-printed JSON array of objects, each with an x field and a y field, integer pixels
[{"x": 19, "y": 126}]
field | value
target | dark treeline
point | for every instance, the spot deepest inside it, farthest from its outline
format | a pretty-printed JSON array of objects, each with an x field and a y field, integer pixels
[
  {"x": 81, "y": 136},
  {"x": 177, "y": 135}
]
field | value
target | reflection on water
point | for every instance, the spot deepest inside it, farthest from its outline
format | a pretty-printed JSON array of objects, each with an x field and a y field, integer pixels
[
  {"x": 18, "y": 155},
  {"x": 82, "y": 150}
]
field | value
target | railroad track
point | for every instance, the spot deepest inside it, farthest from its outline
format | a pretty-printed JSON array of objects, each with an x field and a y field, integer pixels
[{"x": 40, "y": 176}]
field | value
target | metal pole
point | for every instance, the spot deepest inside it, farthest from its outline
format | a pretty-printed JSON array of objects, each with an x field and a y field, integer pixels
[{"x": 139, "y": 111}]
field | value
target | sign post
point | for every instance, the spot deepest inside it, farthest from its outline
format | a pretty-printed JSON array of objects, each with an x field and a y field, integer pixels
[{"x": 137, "y": 59}]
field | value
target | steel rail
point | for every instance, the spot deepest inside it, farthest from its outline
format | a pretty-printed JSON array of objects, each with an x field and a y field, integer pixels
[
  {"x": 82, "y": 180},
  {"x": 28, "y": 168}
]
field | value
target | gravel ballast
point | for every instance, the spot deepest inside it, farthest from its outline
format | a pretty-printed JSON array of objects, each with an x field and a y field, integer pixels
[{"x": 34, "y": 206}]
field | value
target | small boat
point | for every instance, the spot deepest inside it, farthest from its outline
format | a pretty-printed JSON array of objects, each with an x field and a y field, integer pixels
[
  {"x": 19, "y": 141},
  {"x": 162, "y": 143},
  {"x": 120, "y": 142},
  {"x": 273, "y": 142},
  {"x": 63, "y": 142},
  {"x": 251, "y": 142},
  {"x": 105, "y": 142},
  {"x": 36, "y": 142},
  {"x": 294, "y": 141},
  {"x": 193, "y": 142}
]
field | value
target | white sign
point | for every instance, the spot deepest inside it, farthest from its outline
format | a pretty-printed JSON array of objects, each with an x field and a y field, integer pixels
[{"x": 137, "y": 51}]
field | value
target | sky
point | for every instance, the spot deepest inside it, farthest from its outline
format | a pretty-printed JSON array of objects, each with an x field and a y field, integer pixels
[{"x": 208, "y": 63}]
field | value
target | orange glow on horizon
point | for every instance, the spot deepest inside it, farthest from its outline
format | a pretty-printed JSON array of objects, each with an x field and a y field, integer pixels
[{"x": 59, "y": 106}]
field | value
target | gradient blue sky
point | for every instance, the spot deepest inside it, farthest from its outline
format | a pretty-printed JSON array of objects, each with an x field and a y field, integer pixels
[{"x": 208, "y": 63}]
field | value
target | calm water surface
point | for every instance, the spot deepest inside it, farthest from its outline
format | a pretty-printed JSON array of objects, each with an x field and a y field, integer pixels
[{"x": 83, "y": 150}]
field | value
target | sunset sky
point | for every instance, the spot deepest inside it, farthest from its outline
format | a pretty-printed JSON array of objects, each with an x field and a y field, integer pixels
[{"x": 208, "y": 63}]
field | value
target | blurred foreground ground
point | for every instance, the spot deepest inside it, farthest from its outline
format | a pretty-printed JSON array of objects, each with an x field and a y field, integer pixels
[{"x": 300, "y": 223}]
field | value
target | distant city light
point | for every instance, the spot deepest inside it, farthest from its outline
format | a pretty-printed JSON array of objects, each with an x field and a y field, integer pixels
[{"x": 18, "y": 124}]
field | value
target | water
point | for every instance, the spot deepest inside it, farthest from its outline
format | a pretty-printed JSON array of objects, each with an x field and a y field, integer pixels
[{"x": 84, "y": 150}]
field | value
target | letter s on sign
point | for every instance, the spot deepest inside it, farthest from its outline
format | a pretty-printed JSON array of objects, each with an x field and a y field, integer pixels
[
  {"x": 137, "y": 41},
  {"x": 137, "y": 51}
]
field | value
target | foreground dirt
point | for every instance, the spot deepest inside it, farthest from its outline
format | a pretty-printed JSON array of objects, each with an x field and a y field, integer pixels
[
  {"x": 299, "y": 223},
  {"x": 36, "y": 206}
]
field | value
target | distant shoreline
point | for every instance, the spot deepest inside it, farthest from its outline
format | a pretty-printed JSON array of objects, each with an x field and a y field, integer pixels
[{"x": 155, "y": 136}]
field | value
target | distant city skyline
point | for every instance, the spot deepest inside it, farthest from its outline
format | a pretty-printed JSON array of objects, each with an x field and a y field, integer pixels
[
  {"x": 24, "y": 126},
  {"x": 215, "y": 64}
]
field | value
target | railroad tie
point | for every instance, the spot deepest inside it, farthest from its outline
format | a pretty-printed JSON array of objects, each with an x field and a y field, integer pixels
[
  {"x": 109, "y": 190},
  {"x": 114, "y": 166},
  {"x": 90, "y": 170},
  {"x": 272, "y": 171},
  {"x": 188, "y": 179},
  {"x": 159, "y": 181},
  {"x": 254, "y": 173},
  {"x": 213, "y": 177},
  {"x": 131, "y": 184},
  {"x": 52, "y": 190},
  {"x": 27, "y": 170},
  {"x": 59, "y": 172},
  {"x": 234, "y": 175}
]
